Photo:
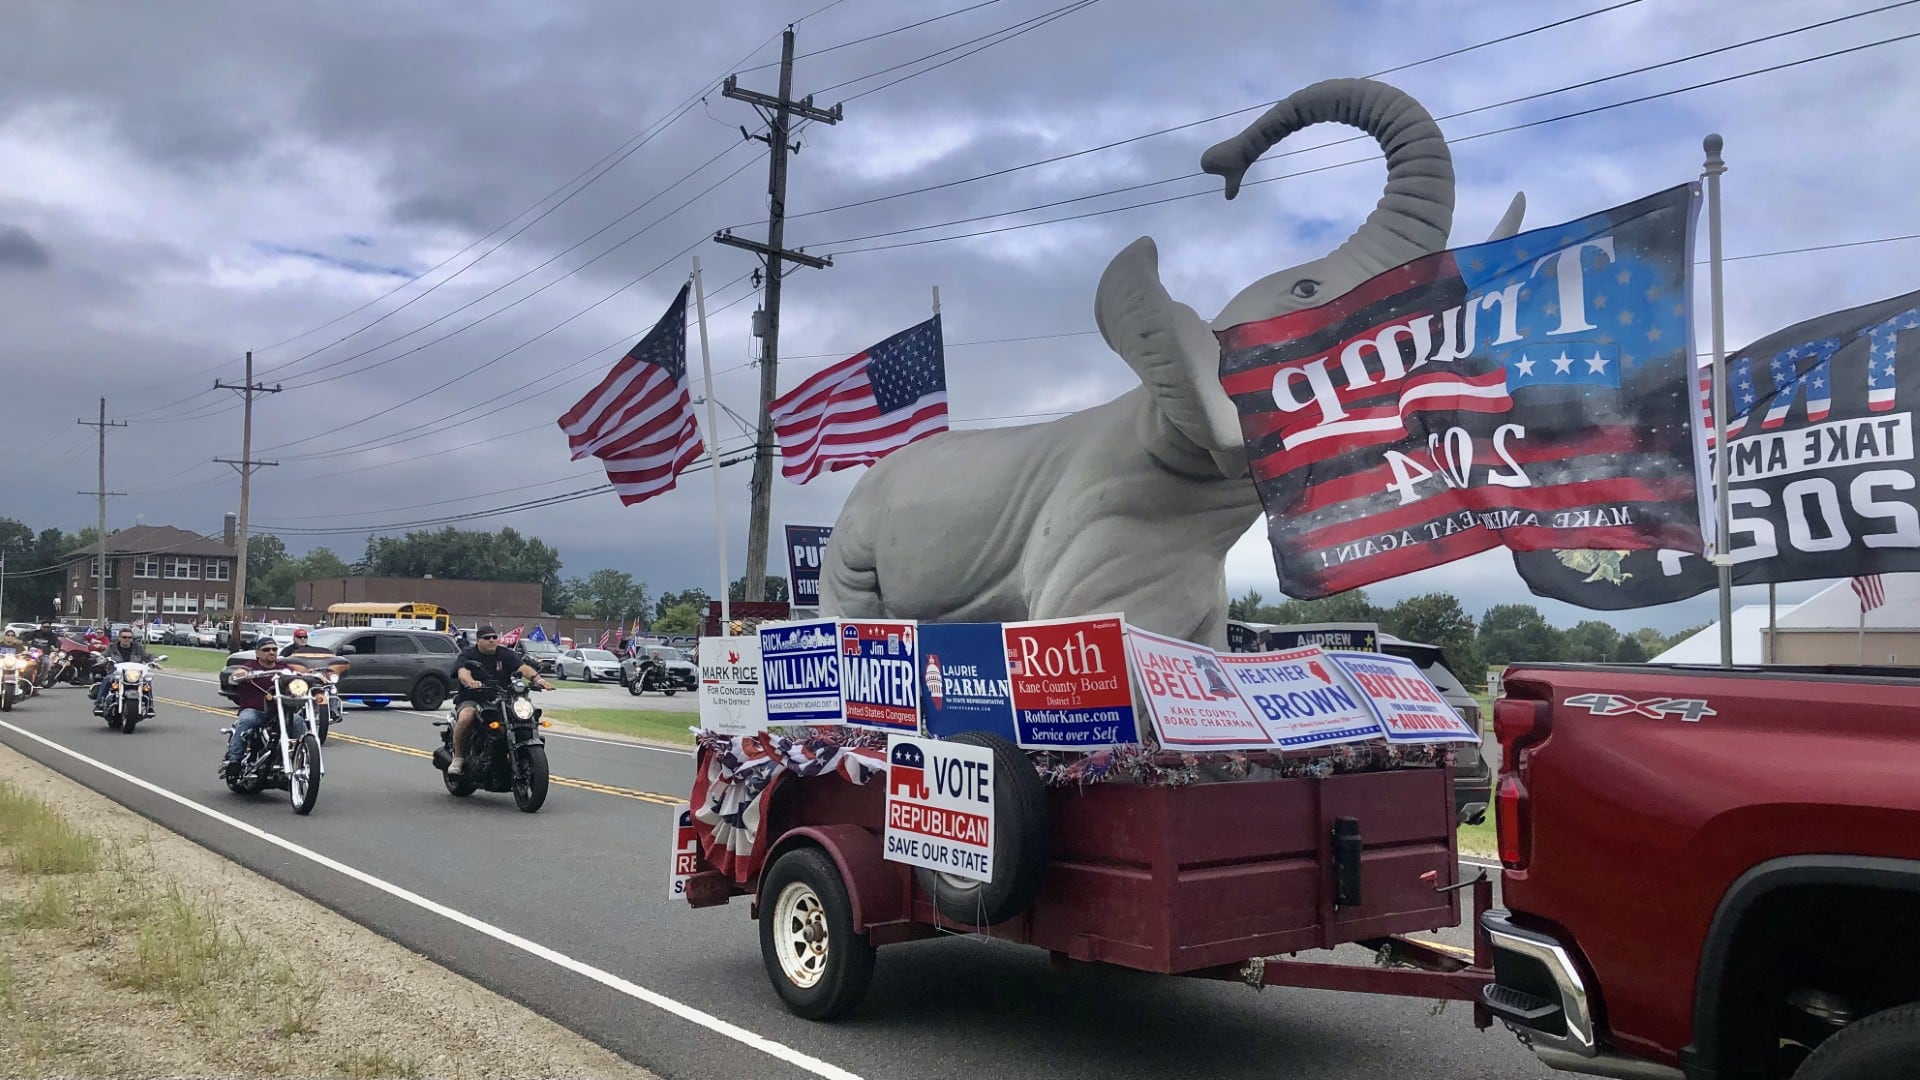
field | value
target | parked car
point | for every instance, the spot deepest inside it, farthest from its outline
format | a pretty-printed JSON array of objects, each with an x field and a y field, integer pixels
[
  {"x": 681, "y": 674},
  {"x": 1710, "y": 871},
  {"x": 414, "y": 666},
  {"x": 590, "y": 665},
  {"x": 1472, "y": 775},
  {"x": 543, "y": 655}
]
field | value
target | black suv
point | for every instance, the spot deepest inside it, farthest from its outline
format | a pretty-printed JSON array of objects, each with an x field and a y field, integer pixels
[{"x": 414, "y": 666}]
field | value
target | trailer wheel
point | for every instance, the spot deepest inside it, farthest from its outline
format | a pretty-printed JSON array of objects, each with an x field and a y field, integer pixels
[
  {"x": 819, "y": 966},
  {"x": 1883, "y": 1046},
  {"x": 1019, "y": 843}
]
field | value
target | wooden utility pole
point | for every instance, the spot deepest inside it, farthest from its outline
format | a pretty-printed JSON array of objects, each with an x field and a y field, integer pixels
[
  {"x": 246, "y": 465},
  {"x": 779, "y": 113},
  {"x": 100, "y": 582}
]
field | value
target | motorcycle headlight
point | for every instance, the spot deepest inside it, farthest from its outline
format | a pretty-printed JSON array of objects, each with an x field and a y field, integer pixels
[
  {"x": 333, "y": 676},
  {"x": 522, "y": 709},
  {"x": 297, "y": 687}
]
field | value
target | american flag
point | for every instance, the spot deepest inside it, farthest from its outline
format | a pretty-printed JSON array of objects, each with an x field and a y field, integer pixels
[
  {"x": 864, "y": 407},
  {"x": 1871, "y": 590},
  {"x": 639, "y": 420},
  {"x": 606, "y": 638}
]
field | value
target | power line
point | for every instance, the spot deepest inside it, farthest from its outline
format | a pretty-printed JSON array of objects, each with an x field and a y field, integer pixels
[
  {"x": 1357, "y": 161},
  {"x": 1196, "y": 123},
  {"x": 1018, "y": 28},
  {"x": 869, "y": 37}
]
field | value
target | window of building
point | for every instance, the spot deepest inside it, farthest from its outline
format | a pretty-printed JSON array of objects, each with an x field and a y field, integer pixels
[
  {"x": 180, "y": 604},
  {"x": 216, "y": 601},
  {"x": 144, "y": 603},
  {"x": 219, "y": 570},
  {"x": 93, "y": 566},
  {"x": 184, "y": 569},
  {"x": 146, "y": 566}
]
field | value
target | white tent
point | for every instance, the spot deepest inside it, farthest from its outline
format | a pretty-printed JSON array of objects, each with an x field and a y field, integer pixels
[
  {"x": 1837, "y": 607},
  {"x": 1749, "y": 627}
]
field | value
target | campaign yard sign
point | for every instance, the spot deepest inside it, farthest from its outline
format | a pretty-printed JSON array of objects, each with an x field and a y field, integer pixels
[
  {"x": 806, "y": 547},
  {"x": 1069, "y": 683},
  {"x": 1302, "y": 698},
  {"x": 964, "y": 683},
  {"x": 686, "y": 853},
  {"x": 940, "y": 806},
  {"x": 1409, "y": 707},
  {"x": 1194, "y": 705},
  {"x": 800, "y": 672},
  {"x": 879, "y": 678},
  {"x": 731, "y": 701}
]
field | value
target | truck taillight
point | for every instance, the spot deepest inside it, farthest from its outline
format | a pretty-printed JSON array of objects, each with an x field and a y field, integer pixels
[{"x": 1519, "y": 725}]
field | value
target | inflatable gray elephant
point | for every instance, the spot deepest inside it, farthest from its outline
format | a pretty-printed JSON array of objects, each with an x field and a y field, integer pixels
[{"x": 1129, "y": 506}]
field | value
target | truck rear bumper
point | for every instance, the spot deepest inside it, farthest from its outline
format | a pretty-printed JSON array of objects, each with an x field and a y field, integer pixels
[{"x": 1537, "y": 991}]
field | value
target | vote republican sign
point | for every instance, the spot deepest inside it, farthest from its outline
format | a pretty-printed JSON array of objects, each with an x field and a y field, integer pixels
[
  {"x": 1408, "y": 706},
  {"x": 1069, "y": 683},
  {"x": 1193, "y": 704},
  {"x": 940, "y": 806},
  {"x": 1302, "y": 698},
  {"x": 879, "y": 678},
  {"x": 686, "y": 853}
]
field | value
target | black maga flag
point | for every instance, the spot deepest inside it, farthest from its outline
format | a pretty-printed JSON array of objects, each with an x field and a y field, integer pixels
[
  {"x": 1534, "y": 392},
  {"x": 1821, "y": 478}
]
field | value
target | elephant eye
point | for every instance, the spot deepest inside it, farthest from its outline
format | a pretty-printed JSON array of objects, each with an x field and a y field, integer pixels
[{"x": 1304, "y": 289}]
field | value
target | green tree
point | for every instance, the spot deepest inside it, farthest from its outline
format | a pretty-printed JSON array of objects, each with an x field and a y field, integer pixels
[
  {"x": 1349, "y": 606},
  {"x": 668, "y": 601},
  {"x": 1513, "y": 632},
  {"x": 613, "y": 594},
  {"x": 278, "y": 587},
  {"x": 683, "y": 618},
  {"x": 1652, "y": 642},
  {"x": 1630, "y": 651},
  {"x": 776, "y": 588},
  {"x": 1247, "y": 608},
  {"x": 1591, "y": 641},
  {"x": 266, "y": 553},
  {"x": 468, "y": 554},
  {"x": 1438, "y": 619}
]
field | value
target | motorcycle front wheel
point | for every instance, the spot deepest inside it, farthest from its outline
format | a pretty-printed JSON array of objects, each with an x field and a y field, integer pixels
[
  {"x": 303, "y": 780},
  {"x": 530, "y": 789}
]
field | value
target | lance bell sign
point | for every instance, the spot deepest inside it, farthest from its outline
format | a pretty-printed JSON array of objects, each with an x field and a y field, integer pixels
[{"x": 940, "y": 806}]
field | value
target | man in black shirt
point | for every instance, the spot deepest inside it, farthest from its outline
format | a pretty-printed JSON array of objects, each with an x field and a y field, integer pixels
[
  {"x": 124, "y": 650},
  {"x": 485, "y": 664},
  {"x": 43, "y": 635}
]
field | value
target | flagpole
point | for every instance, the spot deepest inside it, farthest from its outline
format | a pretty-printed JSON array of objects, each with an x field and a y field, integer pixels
[
  {"x": 1863, "y": 629},
  {"x": 1714, "y": 166},
  {"x": 713, "y": 450},
  {"x": 936, "y": 299},
  {"x": 1773, "y": 627}
]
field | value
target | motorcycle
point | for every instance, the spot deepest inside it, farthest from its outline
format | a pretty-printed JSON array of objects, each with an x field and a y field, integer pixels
[
  {"x": 283, "y": 752},
  {"x": 16, "y": 677},
  {"x": 68, "y": 663},
  {"x": 128, "y": 698},
  {"x": 506, "y": 751},
  {"x": 650, "y": 675}
]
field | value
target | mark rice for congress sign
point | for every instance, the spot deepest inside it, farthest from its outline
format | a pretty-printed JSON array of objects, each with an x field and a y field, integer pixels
[
  {"x": 1302, "y": 697},
  {"x": 1405, "y": 702},
  {"x": 940, "y": 806},
  {"x": 879, "y": 678},
  {"x": 731, "y": 702},
  {"x": 800, "y": 672},
  {"x": 1193, "y": 704},
  {"x": 1069, "y": 683}
]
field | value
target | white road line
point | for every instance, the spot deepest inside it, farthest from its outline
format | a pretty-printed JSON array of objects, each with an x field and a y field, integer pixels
[
  {"x": 579, "y": 738},
  {"x": 614, "y": 982}
]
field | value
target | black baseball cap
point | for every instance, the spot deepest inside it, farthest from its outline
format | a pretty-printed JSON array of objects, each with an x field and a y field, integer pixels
[{"x": 486, "y": 631}]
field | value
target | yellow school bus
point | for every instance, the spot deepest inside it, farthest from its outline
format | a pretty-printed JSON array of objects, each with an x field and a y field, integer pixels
[{"x": 410, "y": 616}]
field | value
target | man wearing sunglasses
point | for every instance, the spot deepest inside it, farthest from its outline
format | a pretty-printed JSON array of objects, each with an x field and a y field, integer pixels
[
  {"x": 251, "y": 697},
  {"x": 486, "y": 663}
]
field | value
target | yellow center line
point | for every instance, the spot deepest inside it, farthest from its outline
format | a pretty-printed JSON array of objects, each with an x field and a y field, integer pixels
[{"x": 653, "y": 797}]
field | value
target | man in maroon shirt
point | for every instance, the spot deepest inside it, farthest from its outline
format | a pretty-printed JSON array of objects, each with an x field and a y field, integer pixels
[{"x": 251, "y": 697}]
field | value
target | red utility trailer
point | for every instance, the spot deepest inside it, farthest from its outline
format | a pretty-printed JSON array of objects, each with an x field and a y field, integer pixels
[{"x": 1222, "y": 880}]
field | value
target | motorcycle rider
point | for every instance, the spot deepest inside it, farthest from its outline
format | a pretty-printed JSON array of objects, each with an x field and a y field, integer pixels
[
  {"x": 11, "y": 640},
  {"x": 483, "y": 664},
  {"x": 42, "y": 635},
  {"x": 250, "y": 697},
  {"x": 301, "y": 654},
  {"x": 124, "y": 650}
]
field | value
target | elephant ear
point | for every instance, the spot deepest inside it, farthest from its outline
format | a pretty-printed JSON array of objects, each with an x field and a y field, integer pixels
[
  {"x": 1510, "y": 221},
  {"x": 1168, "y": 345}
]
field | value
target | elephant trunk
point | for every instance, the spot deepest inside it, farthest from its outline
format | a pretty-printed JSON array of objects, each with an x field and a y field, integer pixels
[{"x": 1415, "y": 214}]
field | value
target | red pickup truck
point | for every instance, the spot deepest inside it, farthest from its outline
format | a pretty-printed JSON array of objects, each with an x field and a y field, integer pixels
[{"x": 1710, "y": 873}]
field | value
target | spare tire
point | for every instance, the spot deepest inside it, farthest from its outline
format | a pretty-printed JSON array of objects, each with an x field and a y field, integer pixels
[{"x": 1020, "y": 852}]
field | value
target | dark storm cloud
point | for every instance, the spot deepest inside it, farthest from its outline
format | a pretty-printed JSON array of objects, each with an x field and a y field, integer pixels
[{"x": 19, "y": 249}]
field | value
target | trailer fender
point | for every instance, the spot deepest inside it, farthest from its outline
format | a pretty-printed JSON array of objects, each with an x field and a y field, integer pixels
[{"x": 873, "y": 884}]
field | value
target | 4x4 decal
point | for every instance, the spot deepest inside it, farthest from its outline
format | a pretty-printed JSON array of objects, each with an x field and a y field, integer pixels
[{"x": 1688, "y": 709}]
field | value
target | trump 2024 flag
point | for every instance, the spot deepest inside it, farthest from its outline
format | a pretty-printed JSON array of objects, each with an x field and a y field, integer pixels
[
  {"x": 1534, "y": 392},
  {"x": 864, "y": 407}
]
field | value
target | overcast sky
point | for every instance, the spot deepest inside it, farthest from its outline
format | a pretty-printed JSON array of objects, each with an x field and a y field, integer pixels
[{"x": 189, "y": 180}]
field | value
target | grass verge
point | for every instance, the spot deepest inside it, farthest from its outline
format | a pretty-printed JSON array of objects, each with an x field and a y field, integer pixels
[
  {"x": 669, "y": 727},
  {"x": 1480, "y": 840},
  {"x": 189, "y": 658}
]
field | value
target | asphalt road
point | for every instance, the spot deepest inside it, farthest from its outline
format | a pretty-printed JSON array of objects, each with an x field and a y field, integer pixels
[{"x": 566, "y": 912}]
